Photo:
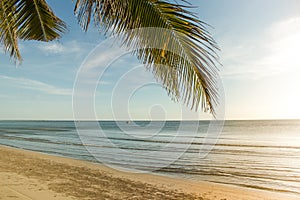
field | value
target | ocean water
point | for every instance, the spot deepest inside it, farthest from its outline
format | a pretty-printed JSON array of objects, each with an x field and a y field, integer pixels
[{"x": 257, "y": 154}]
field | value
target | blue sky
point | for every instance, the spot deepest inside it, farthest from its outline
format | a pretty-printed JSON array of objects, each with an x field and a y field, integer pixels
[{"x": 260, "y": 72}]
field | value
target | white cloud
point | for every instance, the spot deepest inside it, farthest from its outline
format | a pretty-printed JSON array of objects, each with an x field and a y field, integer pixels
[
  {"x": 272, "y": 53},
  {"x": 51, "y": 48},
  {"x": 58, "y": 48},
  {"x": 36, "y": 85},
  {"x": 286, "y": 45},
  {"x": 104, "y": 83}
]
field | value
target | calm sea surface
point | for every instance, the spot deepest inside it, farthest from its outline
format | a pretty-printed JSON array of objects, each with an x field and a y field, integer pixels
[{"x": 256, "y": 154}]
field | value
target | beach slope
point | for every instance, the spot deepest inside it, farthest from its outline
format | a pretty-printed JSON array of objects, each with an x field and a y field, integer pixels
[{"x": 30, "y": 175}]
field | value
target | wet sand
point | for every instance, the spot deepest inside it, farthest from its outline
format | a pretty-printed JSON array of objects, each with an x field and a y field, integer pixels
[{"x": 31, "y": 175}]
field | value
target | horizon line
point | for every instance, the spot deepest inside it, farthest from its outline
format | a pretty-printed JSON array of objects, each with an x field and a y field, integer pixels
[{"x": 137, "y": 120}]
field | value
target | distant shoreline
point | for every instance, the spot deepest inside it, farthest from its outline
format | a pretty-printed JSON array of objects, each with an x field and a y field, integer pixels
[{"x": 65, "y": 178}]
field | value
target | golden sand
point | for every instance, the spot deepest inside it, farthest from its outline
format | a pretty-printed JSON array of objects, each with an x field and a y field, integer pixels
[{"x": 30, "y": 175}]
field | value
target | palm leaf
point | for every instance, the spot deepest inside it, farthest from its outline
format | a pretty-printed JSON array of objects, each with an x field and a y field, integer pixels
[
  {"x": 189, "y": 72},
  {"x": 36, "y": 21},
  {"x": 8, "y": 31},
  {"x": 27, "y": 20}
]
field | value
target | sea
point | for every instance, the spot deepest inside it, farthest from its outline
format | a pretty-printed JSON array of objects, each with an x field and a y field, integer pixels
[{"x": 260, "y": 154}]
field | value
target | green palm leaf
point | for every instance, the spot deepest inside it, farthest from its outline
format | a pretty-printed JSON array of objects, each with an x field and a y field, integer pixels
[
  {"x": 8, "y": 31},
  {"x": 27, "y": 20},
  {"x": 36, "y": 21},
  {"x": 189, "y": 74}
]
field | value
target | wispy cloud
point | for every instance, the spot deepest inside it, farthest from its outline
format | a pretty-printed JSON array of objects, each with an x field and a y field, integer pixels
[
  {"x": 272, "y": 53},
  {"x": 36, "y": 85},
  {"x": 105, "y": 83},
  {"x": 3, "y": 96},
  {"x": 51, "y": 48},
  {"x": 59, "y": 48}
]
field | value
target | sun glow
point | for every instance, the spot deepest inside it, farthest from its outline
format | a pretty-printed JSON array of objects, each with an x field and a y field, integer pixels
[
  {"x": 286, "y": 48},
  {"x": 288, "y": 54}
]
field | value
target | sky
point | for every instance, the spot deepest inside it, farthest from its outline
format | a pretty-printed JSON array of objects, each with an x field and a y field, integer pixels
[{"x": 260, "y": 71}]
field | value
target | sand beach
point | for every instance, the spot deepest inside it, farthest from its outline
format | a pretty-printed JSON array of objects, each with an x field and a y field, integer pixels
[{"x": 30, "y": 175}]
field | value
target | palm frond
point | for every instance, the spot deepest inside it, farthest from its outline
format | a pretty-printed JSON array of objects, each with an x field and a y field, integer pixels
[
  {"x": 27, "y": 20},
  {"x": 8, "y": 31},
  {"x": 190, "y": 59},
  {"x": 36, "y": 21}
]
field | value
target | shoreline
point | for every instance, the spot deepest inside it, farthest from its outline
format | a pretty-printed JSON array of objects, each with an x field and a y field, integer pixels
[{"x": 55, "y": 177}]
